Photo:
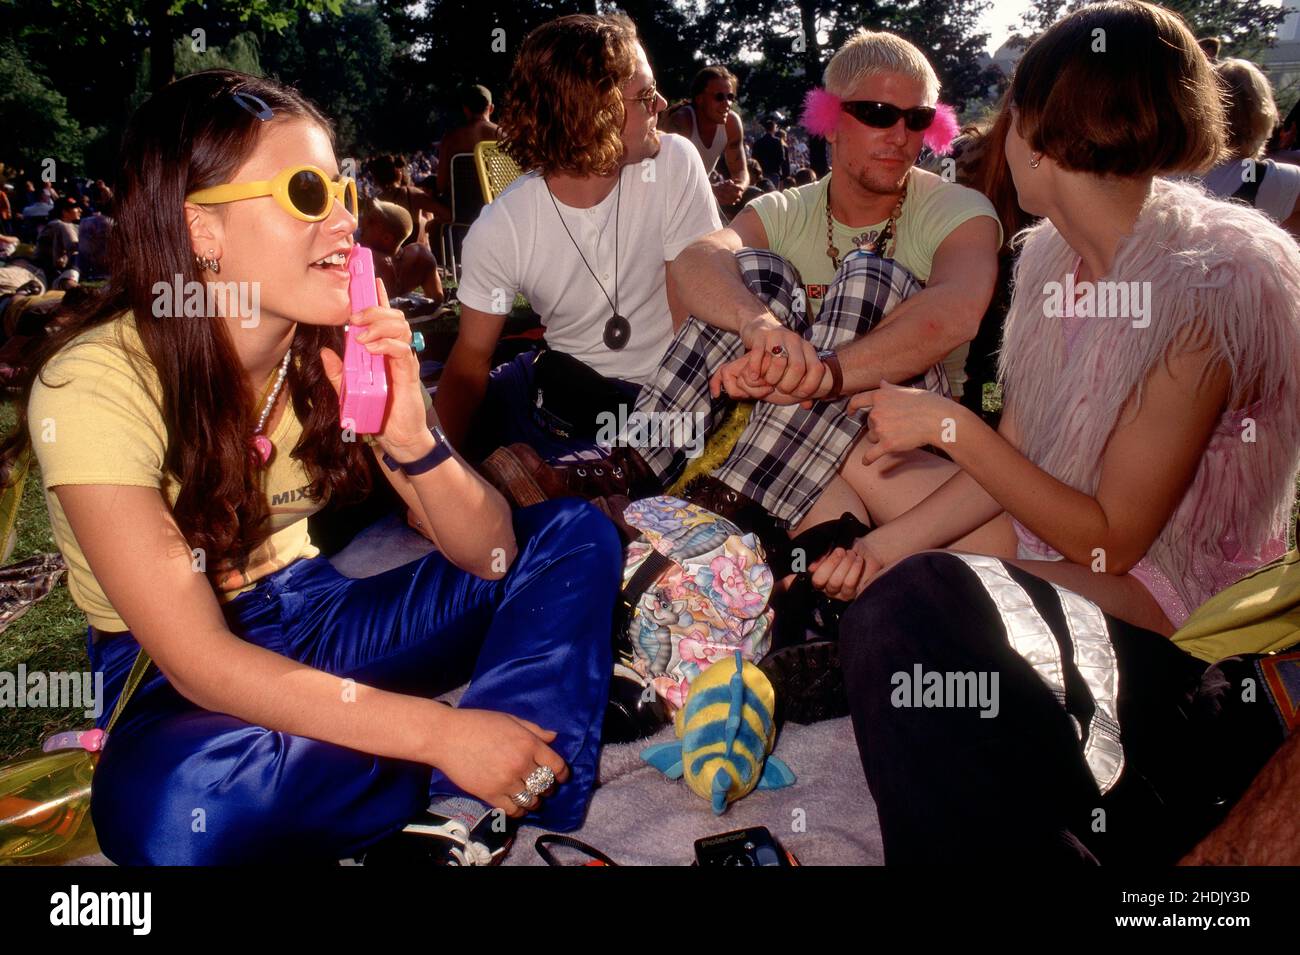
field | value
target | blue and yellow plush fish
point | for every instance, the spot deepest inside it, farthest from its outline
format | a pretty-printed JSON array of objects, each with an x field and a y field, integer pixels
[{"x": 725, "y": 735}]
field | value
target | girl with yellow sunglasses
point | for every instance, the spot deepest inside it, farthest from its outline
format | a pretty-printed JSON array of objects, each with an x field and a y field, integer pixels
[
  {"x": 291, "y": 712},
  {"x": 305, "y": 192}
]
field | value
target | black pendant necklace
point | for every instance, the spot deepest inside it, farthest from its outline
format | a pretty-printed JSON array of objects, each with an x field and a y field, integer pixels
[{"x": 617, "y": 329}]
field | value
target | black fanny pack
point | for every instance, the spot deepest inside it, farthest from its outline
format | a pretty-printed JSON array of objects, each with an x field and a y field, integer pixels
[{"x": 570, "y": 399}]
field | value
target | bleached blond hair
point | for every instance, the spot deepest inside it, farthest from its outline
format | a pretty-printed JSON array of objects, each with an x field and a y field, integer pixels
[
  {"x": 869, "y": 52},
  {"x": 1251, "y": 110}
]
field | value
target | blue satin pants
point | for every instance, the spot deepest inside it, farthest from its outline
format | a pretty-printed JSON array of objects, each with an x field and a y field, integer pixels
[{"x": 182, "y": 785}]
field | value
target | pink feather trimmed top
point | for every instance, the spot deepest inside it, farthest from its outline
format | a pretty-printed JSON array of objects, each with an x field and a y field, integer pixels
[{"x": 1230, "y": 278}]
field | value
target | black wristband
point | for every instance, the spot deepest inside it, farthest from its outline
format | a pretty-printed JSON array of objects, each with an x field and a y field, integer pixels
[{"x": 441, "y": 452}]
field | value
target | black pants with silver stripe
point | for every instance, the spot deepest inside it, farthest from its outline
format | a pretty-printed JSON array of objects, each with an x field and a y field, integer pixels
[{"x": 1042, "y": 780}]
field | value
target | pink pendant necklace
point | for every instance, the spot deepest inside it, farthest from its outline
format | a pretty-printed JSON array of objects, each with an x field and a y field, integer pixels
[{"x": 261, "y": 443}]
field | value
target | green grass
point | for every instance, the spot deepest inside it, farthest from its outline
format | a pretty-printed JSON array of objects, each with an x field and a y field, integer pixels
[
  {"x": 992, "y": 397},
  {"x": 49, "y": 636}
]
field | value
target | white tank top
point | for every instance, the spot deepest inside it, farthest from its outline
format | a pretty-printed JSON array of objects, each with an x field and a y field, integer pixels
[{"x": 712, "y": 151}]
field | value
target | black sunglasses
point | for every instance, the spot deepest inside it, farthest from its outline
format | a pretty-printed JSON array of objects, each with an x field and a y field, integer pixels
[
  {"x": 721, "y": 97},
  {"x": 885, "y": 115}
]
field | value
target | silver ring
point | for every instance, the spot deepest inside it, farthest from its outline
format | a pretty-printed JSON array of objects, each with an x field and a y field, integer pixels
[
  {"x": 778, "y": 351},
  {"x": 523, "y": 800},
  {"x": 540, "y": 780}
]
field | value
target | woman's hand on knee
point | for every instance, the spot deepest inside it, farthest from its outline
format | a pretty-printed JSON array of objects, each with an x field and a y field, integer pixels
[
  {"x": 902, "y": 419},
  {"x": 490, "y": 755}
]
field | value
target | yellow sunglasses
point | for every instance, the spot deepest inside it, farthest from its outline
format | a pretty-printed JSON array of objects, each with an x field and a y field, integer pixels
[{"x": 305, "y": 192}]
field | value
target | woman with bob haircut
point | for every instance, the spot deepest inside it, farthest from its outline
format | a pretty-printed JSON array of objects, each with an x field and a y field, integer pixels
[
  {"x": 291, "y": 716},
  {"x": 1147, "y": 455}
]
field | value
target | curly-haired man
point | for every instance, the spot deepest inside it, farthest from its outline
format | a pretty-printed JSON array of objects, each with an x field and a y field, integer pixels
[{"x": 587, "y": 235}]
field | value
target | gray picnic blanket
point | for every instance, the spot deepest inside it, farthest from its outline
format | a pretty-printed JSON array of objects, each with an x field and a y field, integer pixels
[{"x": 638, "y": 817}]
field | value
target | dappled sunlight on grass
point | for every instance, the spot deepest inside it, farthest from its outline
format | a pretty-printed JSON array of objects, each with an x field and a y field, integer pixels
[{"x": 49, "y": 636}]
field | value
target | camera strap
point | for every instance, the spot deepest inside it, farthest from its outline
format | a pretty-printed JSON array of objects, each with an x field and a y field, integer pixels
[{"x": 545, "y": 840}]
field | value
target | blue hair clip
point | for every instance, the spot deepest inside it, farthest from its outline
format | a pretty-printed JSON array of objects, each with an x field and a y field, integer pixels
[{"x": 247, "y": 101}]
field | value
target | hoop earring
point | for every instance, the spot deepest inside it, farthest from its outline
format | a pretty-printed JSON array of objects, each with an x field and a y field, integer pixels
[
  {"x": 1033, "y": 163},
  {"x": 210, "y": 263}
]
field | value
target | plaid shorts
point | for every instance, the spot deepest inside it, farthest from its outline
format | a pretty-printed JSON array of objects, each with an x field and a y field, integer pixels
[{"x": 787, "y": 455}]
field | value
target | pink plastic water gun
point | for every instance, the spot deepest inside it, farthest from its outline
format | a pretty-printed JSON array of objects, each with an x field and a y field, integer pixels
[{"x": 365, "y": 378}]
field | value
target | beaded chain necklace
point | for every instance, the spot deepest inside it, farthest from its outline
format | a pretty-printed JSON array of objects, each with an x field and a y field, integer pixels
[
  {"x": 875, "y": 244},
  {"x": 262, "y": 446}
]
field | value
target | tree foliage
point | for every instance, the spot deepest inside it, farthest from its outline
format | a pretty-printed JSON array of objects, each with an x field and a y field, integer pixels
[
  {"x": 342, "y": 63},
  {"x": 388, "y": 71},
  {"x": 1246, "y": 27},
  {"x": 797, "y": 40},
  {"x": 29, "y": 103}
]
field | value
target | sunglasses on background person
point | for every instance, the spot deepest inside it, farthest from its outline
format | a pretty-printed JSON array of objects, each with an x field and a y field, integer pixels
[
  {"x": 305, "y": 192},
  {"x": 885, "y": 115},
  {"x": 724, "y": 97}
]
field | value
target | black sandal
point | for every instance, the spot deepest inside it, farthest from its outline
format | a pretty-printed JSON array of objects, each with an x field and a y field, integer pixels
[
  {"x": 809, "y": 682},
  {"x": 804, "y": 663},
  {"x": 803, "y": 612}
]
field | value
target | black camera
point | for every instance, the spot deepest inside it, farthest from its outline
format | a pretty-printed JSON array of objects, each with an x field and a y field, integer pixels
[{"x": 743, "y": 847}]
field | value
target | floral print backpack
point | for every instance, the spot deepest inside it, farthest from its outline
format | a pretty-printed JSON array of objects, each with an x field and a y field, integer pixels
[{"x": 696, "y": 588}]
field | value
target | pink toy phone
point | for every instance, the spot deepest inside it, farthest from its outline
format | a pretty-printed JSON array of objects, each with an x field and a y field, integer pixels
[{"x": 365, "y": 378}]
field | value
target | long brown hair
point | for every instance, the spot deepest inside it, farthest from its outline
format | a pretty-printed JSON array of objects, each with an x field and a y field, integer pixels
[
  {"x": 563, "y": 110},
  {"x": 190, "y": 135}
]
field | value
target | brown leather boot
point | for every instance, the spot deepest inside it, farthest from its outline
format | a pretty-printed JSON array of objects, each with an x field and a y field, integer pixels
[{"x": 520, "y": 474}]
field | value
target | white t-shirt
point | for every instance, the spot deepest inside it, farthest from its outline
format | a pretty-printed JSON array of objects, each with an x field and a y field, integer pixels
[
  {"x": 519, "y": 245},
  {"x": 1278, "y": 190}
]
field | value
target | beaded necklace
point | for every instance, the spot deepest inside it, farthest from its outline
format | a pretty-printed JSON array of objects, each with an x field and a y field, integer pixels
[
  {"x": 876, "y": 245},
  {"x": 262, "y": 446}
]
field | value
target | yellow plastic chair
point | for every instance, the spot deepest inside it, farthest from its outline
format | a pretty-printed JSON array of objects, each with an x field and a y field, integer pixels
[
  {"x": 496, "y": 170},
  {"x": 11, "y": 498}
]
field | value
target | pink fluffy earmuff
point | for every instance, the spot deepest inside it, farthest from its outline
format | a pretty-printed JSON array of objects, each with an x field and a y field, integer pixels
[{"x": 822, "y": 111}]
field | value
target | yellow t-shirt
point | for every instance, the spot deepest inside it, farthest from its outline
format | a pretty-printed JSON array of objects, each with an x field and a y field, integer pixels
[
  {"x": 105, "y": 427},
  {"x": 795, "y": 223}
]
